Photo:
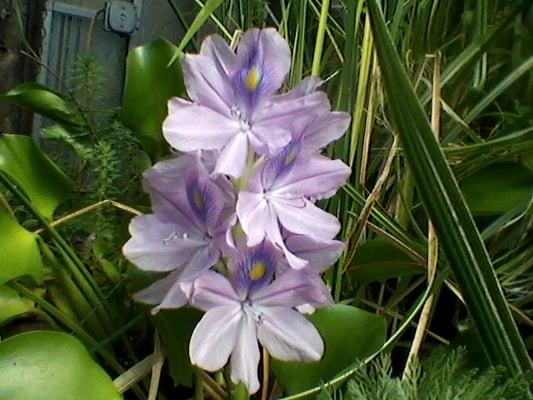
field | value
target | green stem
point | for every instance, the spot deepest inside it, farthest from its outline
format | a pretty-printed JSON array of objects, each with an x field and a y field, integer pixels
[
  {"x": 49, "y": 320},
  {"x": 87, "y": 290},
  {"x": 299, "y": 44},
  {"x": 66, "y": 321},
  {"x": 240, "y": 392},
  {"x": 76, "y": 298},
  {"x": 406, "y": 199},
  {"x": 198, "y": 385},
  {"x": 319, "y": 43},
  {"x": 53, "y": 233}
]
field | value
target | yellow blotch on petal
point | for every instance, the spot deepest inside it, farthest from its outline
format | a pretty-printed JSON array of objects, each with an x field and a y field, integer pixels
[
  {"x": 198, "y": 200},
  {"x": 257, "y": 271},
  {"x": 290, "y": 157},
  {"x": 253, "y": 79}
]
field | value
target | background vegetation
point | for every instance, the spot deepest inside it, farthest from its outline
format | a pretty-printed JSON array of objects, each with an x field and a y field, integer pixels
[{"x": 436, "y": 216}]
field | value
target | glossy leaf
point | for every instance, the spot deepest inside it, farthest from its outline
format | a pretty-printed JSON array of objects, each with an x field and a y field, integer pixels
[
  {"x": 19, "y": 250},
  {"x": 447, "y": 209},
  {"x": 151, "y": 80},
  {"x": 44, "y": 365},
  {"x": 379, "y": 259},
  {"x": 12, "y": 305},
  {"x": 44, "y": 183},
  {"x": 497, "y": 188},
  {"x": 175, "y": 328},
  {"x": 44, "y": 101},
  {"x": 349, "y": 334}
]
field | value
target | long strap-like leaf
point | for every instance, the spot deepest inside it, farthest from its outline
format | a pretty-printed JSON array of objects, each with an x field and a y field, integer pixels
[{"x": 447, "y": 209}]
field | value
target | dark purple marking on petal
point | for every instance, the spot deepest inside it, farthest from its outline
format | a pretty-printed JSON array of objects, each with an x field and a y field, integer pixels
[
  {"x": 281, "y": 163},
  {"x": 201, "y": 200},
  {"x": 252, "y": 78},
  {"x": 255, "y": 267}
]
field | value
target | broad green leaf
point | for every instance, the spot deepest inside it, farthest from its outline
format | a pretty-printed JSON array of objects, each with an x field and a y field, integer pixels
[
  {"x": 447, "y": 209},
  {"x": 497, "y": 188},
  {"x": 349, "y": 334},
  {"x": 151, "y": 80},
  {"x": 44, "y": 183},
  {"x": 44, "y": 101},
  {"x": 175, "y": 328},
  {"x": 12, "y": 305},
  {"x": 19, "y": 250},
  {"x": 45, "y": 365},
  {"x": 379, "y": 259}
]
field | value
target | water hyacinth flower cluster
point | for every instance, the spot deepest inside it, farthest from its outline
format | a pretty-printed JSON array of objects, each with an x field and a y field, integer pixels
[{"x": 235, "y": 221}]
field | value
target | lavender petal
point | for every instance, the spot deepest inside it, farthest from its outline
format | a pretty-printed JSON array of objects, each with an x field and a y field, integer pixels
[
  {"x": 216, "y": 48},
  {"x": 206, "y": 85},
  {"x": 214, "y": 337},
  {"x": 245, "y": 358},
  {"x": 293, "y": 288},
  {"x": 288, "y": 336},
  {"x": 317, "y": 177},
  {"x": 196, "y": 127},
  {"x": 302, "y": 217},
  {"x": 156, "y": 245},
  {"x": 212, "y": 290}
]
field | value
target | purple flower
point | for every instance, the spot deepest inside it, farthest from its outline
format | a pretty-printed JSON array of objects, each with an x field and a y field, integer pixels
[
  {"x": 320, "y": 254},
  {"x": 250, "y": 308},
  {"x": 234, "y": 103},
  {"x": 190, "y": 215},
  {"x": 281, "y": 192}
]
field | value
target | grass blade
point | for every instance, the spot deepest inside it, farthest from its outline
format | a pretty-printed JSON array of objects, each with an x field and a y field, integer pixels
[{"x": 205, "y": 12}]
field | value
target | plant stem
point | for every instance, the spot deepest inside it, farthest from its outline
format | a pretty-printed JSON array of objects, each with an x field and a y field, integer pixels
[
  {"x": 319, "y": 43},
  {"x": 52, "y": 232},
  {"x": 266, "y": 375},
  {"x": 198, "y": 385},
  {"x": 240, "y": 392}
]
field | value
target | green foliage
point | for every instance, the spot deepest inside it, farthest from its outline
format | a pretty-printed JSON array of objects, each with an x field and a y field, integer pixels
[
  {"x": 44, "y": 365},
  {"x": 442, "y": 376},
  {"x": 87, "y": 84},
  {"x": 43, "y": 182},
  {"x": 153, "y": 75},
  {"x": 103, "y": 156},
  {"x": 45, "y": 101},
  {"x": 175, "y": 328},
  {"x": 483, "y": 52},
  {"x": 379, "y": 259},
  {"x": 445, "y": 205},
  {"x": 19, "y": 249},
  {"x": 13, "y": 305},
  {"x": 349, "y": 334},
  {"x": 497, "y": 188}
]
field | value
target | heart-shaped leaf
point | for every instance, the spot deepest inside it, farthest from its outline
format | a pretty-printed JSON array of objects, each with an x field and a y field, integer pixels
[
  {"x": 12, "y": 305},
  {"x": 44, "y": 183},
  {"x": 349, "y": 334},
  {"x": 44, "y": 101},
  {"x": 19, "y": 250},
  {"x": 153, "y": 76},
  {"x": 44, "y": 365}
]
